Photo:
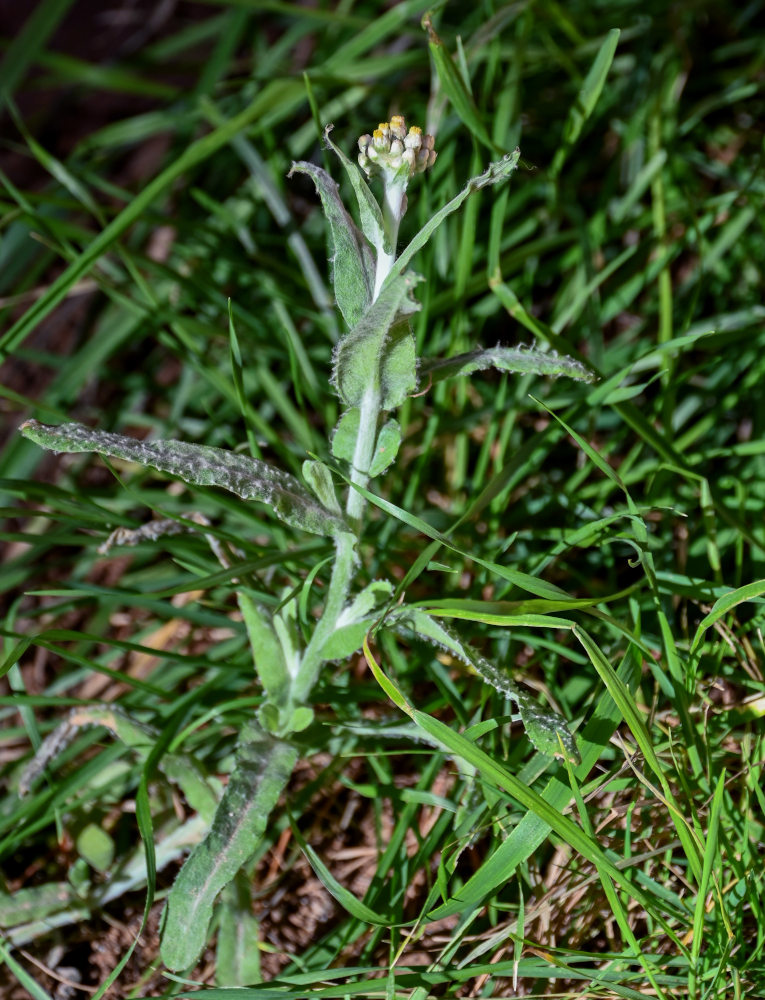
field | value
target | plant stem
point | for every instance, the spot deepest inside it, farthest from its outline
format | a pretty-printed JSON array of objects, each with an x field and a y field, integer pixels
[
  {"x": 393, "y": 208},
  {"x": 394, "y": 205},
  {"x": 369, "y": 413}
]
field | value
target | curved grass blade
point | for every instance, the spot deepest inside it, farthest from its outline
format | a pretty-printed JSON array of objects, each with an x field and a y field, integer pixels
[
  {"x": 455, "y": 87},
  {"x": 586, "y": 99},
  {"x": 495, "y": 774}
]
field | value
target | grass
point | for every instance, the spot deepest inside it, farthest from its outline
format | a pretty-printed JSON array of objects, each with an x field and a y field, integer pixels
[{"x": 423, "y": 848}]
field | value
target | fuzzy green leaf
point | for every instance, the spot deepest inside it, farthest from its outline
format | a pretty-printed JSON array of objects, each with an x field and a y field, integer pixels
[
  {"x": 237, "y": 953},
  {"x": 355, "y": 621},
  {"x": 263, "y": 768},
  {"x": 353, "y": 265},
  {"x": 37, "y": 902},
  {"x": 345, "y": 434},
  {"x": 386, "y": 449},
  {"x": 319, "y": 478},
  {"x": 270, "y": 663},
  {"x": 543, "y": 726},
  {"x": 199, "y": 465},
  {"x": 522, "y": 360},
  {"x": 495, "y": 173},
  {"x": 95, "y": 846},
  {"x": 369, "y": 210},
  {"x": 398, "y": 367},
  {"x": 346, "y": 640},
  {"x": 378, "y": 353}
]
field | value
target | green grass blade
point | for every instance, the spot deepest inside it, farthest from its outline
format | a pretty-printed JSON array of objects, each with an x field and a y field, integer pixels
[
  {"x": 42, "y": 21},
  {"x": 586, "y": 99},
  {"x": 273, "y": 94}
]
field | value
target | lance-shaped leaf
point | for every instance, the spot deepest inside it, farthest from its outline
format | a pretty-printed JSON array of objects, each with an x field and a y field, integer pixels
[
  {"x": 267, "y": 653},
  {"x": 319, "y": 478},
  {"x": 546, "y": 729},
  {"x": 237, "y": 954},
  {"x": 369, "y": 211},
  {"x": 353, "y": 264},
  {"x": 378, "y": 353},
  {"x": 520, "y": 360},
  {"x": 199, "y": 465},
  {"x": 263, "y": 768},
  {"x": 495, "y": 173}
]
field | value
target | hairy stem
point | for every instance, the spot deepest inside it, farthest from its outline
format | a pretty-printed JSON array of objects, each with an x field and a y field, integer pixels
[
  {"x": 394, "y": 205},
  {"x": 393, "y": 208},
  {"x": 363, "y": 453}
]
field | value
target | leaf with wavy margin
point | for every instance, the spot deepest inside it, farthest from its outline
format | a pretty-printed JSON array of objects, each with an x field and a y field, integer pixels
[{"x": 199, "y": 465}]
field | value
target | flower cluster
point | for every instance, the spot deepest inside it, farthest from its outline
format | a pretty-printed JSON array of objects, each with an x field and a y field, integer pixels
[{"x": 393, "y": 151}]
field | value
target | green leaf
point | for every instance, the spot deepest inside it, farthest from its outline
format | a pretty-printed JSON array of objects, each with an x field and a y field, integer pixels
[
  {"x": 353, "y": 264},
  {"x": 386, "y": 449},
  {"x": 270, "y": 663},
  {"x": 371, "y": 597},
  {"x": 346, "y": 640},
  {"x": 398, "y": 369},
  {"x": 287, "y": 628},
  {"x": 521, "y": 360},
  {"x": 319, "y": 479},
  {"x": 345, "y": 434},
  {"x": 95, "y": 846},
  {"x": 199, "y": 465},
  {"x": 495, "y": 173},
  {"x": 378, "y": 353},
  {"x": 262, "y": 770},
  {"x": 237, "y": 951},
  {"x": 301, "y": 719},
  {"x": 355, "y": 621},
  {"x": 36, "y": 902},
  {"x": 543, "y": 727},
  {"x": 370, "y": 214}
]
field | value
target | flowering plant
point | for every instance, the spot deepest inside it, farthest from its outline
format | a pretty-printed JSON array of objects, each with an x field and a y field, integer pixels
[{"x": 375, "y": 369}]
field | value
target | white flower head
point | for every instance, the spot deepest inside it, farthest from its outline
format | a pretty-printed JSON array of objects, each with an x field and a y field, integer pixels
[{"x": 396, "y": 153}]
